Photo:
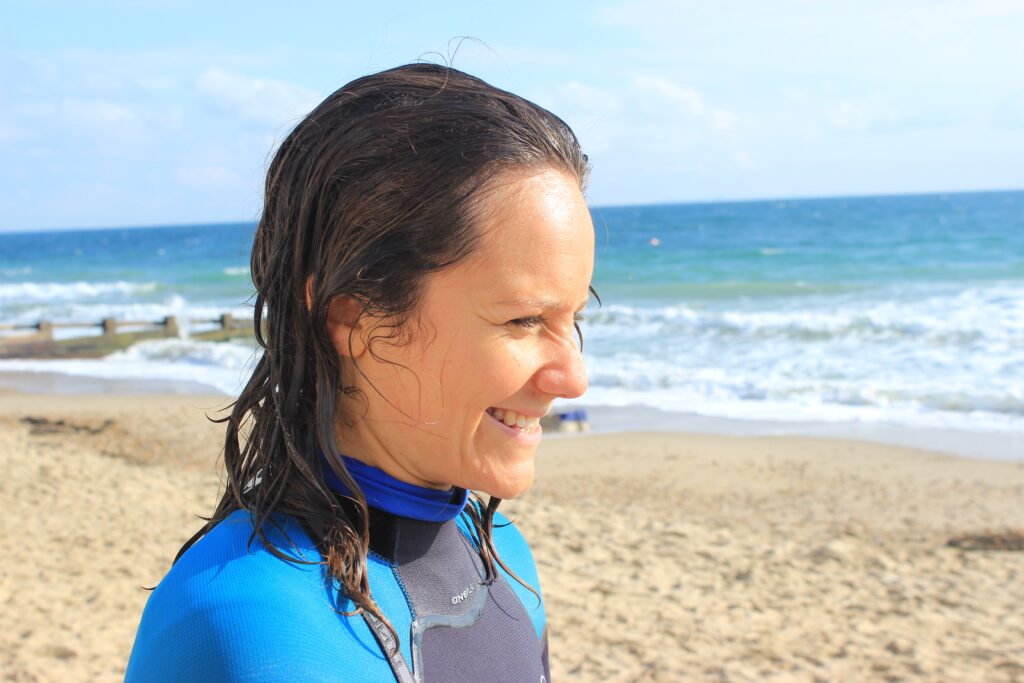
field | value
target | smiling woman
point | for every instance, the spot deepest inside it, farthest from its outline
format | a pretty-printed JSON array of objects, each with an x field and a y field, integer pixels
[
  {"x": 481, "y": 347},
  {"x": 423, "y": 258}
]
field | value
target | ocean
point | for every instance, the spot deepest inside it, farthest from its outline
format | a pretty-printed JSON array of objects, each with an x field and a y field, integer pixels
[{"x": 896, "y": 310}]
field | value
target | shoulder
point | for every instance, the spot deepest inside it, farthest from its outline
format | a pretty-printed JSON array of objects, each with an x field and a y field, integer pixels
[
  {"x": 231, "y": 610},
  {"x": 229, "y": 564},
  {"x": 515, "y": 552}
]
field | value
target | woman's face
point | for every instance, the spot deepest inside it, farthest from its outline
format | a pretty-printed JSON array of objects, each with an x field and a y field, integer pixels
[{"x": 492, "y": 339}]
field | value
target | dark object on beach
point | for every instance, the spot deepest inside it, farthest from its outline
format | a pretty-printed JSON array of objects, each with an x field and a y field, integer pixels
[
  {"x": 117, "y": 335},
  {"x": 44, "y": 425},
  {"x": 1011, "y": 540},
  {"x": 566, "y": 421}
]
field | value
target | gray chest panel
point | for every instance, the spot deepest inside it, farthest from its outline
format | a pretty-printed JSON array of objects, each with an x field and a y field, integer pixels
[{"x": 463, "y": 629}]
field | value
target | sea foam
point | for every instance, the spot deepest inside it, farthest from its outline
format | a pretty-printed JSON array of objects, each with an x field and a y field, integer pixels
[{"x": 57, "y": 291}]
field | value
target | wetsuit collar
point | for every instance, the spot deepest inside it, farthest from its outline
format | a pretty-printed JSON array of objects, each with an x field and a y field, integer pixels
[{"x": 398, "y": 498}]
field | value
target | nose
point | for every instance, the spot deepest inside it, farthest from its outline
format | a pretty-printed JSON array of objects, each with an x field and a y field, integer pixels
[{"x": 564, "y": 375}]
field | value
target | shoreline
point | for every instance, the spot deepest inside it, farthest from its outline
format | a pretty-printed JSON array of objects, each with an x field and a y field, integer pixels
[
  {"x": 996, "y": 446},
  {"x": 59, "y": 384},
  {"x": 1002, "y": 447}
]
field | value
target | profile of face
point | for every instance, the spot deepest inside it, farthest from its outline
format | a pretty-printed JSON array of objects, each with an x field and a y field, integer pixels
[{"x": 455, "y": 397}]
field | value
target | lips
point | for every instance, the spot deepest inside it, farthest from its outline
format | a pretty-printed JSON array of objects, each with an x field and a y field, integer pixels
[{"x": 514, "y": 420}]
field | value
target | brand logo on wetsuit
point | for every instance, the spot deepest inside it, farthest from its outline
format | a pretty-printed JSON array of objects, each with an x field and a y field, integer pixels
[{"x": 461, "y": 597}]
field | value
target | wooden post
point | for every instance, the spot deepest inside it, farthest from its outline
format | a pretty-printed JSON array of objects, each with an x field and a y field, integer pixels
[
  {"x": 109, "y": 327},
  {"x": 171, "y": 326},
  {"x": 227, "y": 322},
  {"x": 45, "y": 328}
]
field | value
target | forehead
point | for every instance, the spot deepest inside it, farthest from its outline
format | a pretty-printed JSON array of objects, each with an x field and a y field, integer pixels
[{"x": 537, "y": 237}]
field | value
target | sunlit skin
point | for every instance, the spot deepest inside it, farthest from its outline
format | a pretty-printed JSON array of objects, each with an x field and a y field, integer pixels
[{"x": 494, "y": 331}]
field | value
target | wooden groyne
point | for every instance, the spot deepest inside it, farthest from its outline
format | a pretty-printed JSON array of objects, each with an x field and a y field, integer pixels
[{"x": 36, "y": 340}]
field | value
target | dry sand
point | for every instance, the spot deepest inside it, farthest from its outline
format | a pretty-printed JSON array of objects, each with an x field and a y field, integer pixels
[{"x": 663, "y": 557}]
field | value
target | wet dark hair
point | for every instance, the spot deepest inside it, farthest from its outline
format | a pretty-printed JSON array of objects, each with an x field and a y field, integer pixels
[{"x": 374, "y": 190}]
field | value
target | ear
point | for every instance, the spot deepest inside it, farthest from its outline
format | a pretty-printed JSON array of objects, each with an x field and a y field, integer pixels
[
  {"x": 344, "y": 323},
  {"x": 345, "y": 326}
]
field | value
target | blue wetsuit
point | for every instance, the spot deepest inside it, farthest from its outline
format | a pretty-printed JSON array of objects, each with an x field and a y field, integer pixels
[{"x": 230, "y": 612}]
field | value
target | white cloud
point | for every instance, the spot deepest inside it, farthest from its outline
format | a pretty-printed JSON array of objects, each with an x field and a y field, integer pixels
[
  {"x": 970, "y": 43},
  {"x": 66, "y": 122},
  {"x": 10, "y": 132},
  {"x": 687, "y": 100},
  {"x": 653, "y": 127},
  {"x": 98, "y": 112},
  {"x": 873, "y": 114},
  {"x": 650, "y": 113},
  {"x": 130, "y": 137},
  {"x": 850, "y": 116},
  {"x": 256, "y": 99},
  {"x": 591, "y": 112},
  {"x": 1009, "y": 113},
  {"x": 208, "y": 176}
]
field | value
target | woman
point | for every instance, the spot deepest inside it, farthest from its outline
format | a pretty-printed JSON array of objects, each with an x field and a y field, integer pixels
[{"x": 421, "y": 264}]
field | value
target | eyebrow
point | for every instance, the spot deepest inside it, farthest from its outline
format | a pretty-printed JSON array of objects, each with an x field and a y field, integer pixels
[{"x": 543, "y": 304}]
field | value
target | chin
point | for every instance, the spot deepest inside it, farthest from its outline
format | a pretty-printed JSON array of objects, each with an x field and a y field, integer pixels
[{"x": 511, "y": 484}]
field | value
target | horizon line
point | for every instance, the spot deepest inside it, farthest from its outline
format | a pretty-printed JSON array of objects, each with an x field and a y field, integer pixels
[{"x": 689, "y": 202}]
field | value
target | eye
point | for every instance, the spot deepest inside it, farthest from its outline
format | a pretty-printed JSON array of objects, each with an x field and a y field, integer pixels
[{"x": 528, "y": 322}]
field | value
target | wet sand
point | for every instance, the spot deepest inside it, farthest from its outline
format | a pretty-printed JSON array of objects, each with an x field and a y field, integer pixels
[{"x": 663, "y": 556}]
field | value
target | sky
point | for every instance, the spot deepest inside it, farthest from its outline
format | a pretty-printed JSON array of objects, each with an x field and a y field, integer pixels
[{"x": 158, "y": 112}]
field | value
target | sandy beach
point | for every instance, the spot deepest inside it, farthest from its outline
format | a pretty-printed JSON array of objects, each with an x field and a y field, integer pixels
[{"x": 663, "y": 557}]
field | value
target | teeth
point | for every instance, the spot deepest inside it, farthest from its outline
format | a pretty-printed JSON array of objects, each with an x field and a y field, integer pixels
[{"x": 514, "y": 419}]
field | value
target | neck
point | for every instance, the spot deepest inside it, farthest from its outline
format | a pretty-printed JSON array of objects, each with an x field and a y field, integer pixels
[{"x": 366, "y": 447}]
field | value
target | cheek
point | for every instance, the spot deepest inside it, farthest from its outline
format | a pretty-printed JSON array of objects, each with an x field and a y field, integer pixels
[
  {"x": 506, "y": 369},
  {"x": 403, "y": 383},
  {"x": 478, "y": 374}
]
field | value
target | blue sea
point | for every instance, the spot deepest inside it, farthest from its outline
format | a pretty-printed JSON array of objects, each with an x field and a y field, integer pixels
[{"x": 897, "y": 310}]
